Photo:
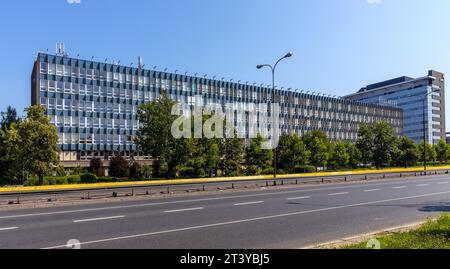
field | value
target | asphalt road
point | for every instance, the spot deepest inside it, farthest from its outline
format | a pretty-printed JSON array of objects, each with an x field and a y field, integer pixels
[{"x": 282, "y": 218}]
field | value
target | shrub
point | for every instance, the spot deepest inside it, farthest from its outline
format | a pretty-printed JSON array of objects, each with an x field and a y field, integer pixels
[
  {"x": 88, "y": 178},
  {"x": 305, "y": 169},
  {"x": 269, "y": 171},
  {"x": 96, "y": 167},
  {"x": 74, "y": 179},
  {"x": 186, "y": 171},
  {"x": 135, "y": 171},
  {"x": 118, "y": 166},
  {"x": 61, "y": 171},
  {"x": 253, "y": 170},
  {"x": 31, "y": 182}
]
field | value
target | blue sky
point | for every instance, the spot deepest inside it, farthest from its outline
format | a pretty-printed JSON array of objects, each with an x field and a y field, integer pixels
[{"x": 339, "y": 45}]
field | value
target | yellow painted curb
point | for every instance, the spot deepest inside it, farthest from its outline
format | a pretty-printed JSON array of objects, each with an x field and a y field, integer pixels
[{"x": 210, "y": 180}]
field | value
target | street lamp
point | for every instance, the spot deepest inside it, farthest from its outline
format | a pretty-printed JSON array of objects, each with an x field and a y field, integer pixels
[
  {"x": 425, "y": 98},
  {"x": 273, "y": 69}
]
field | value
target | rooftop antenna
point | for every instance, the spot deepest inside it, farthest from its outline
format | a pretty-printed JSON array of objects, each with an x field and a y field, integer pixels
[
  {"x": 176, "y": 71},
  {"x": 154, "y": 67},
  {"x": 186, "y": 73},
  {"x": 140, "y": 62},
  {"x": 165, "y": 69}
]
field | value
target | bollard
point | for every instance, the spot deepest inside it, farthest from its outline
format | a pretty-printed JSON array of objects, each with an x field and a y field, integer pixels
[
  {"x": 365, "y": 178},
  {"x": 274, "y": 183},
  {"x": 401, "y": 175},
  {"x": 296, "y": 182},
  {"x": 132, "y": 192},
  {"x": 204, "y": 188},
  {"x": 384, "y": 176},
  {"x": 345, "y": 179},
  {"x": 282, "y": 183},
  {"x": 18, "y": 199},
  {"x": 323, "y": 180},
  {"x": 267, "y": 183},
  {"x": 168, "y": 190},
  {"x": 114, "y": 194},
  {"x": 232, "y": 186}
]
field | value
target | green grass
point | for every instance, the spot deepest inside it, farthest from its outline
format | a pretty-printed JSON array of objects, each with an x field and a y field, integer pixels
[{"x": 431, "y": 235}]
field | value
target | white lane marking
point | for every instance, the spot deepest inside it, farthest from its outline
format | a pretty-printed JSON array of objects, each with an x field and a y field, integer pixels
[
  {"x": 399, "y": 187},
  {"x": 98, "y": 219},
  {"x": 9, "y": 228},
  {"x": 338, "y": 193},
  {"x": 249, "y": 203},
  {"x": 254, "y": 219},
  {"x": 372, "y": 190},
  {"x": 183, "y": 210},
  {"x": 422, "y": 185},
  {"x": 442, "y": 183},
  {"x": 356, "y": 185},
  {"x": 298, "y": 198}
]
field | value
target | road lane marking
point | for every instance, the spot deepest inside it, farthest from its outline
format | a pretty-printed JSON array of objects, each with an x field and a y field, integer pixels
[
  {"x": 298, "y": 198},
  {"x": 249, "y": 203},
  {"x": 399, "y": 187},
  {"x": 98, "y": 219},
  {"x": 442, "y": 183},
  {"x": 372, "y": 190},
  {"x": 302, "y": 190},
  {"x": 422, "y": 185},
  {"x": 338, "y": 193},
  {"x": 252, "y": 219},
  {"x": 9, "y": 228},
  {"x": 183, "y": 210}
]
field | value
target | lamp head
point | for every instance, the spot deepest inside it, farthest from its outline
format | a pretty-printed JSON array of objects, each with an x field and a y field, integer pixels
[
  {"x": 288, "y": 55},
  {"x": 259, "y": 66}
]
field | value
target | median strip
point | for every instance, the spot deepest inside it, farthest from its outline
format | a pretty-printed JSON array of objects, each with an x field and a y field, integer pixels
[{"x": 98, "y": 219}]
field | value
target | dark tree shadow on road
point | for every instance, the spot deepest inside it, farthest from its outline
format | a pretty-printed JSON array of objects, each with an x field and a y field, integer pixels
[{"x": 437, "y": 207}]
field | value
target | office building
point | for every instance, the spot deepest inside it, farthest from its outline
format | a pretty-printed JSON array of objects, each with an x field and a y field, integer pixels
[
  {"x": 414, "y": 96},
  {"x": 94, "y": 105}
]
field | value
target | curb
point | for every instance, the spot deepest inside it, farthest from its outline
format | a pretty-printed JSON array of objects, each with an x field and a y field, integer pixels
[{"x": 338, "y": 244}]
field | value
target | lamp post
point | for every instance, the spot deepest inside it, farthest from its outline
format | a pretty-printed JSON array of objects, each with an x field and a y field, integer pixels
[
  {"x": 273, "y": 69},
  {"x": 425, "y": 98}
]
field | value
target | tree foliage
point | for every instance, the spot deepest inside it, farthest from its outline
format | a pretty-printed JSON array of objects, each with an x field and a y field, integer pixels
[
  {"x": 31, "y": 145},
  {"x": 118, "y": 166}
]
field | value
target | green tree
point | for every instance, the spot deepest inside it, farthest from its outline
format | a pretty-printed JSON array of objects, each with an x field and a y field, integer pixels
[
  {"x": 365, "y": 143},
  {"x": 408, "y": 154},
  {"x": 256, "y": 156},
  {"x": 384, "y": 143},
  {"x": 232, "y": 156},
  {"x": 311, "y": 136},
  {"x": 118, "y": 166},
  {"x": 441, "y": 149},
  {"x": 147, "y": 171},
  {"x": 354, "y": 154},
  {"x": 96, "y": 167},
  {"x": 339, "y": 157},
  {"x": 319, "y": 153},
  {"x": 155, "y": 137},
  {"x": 8, "y": 118},
  {"x": 31, "y": 145},
  {"x": 431, "y": 153},
  {"x": 292, "y": 152}
]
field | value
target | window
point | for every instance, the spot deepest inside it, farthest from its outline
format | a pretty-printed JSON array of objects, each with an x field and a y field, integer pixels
[
  {"x": 67, "y": 71},
  {"x": 44, "y": 68},
  {"x": 51, "y": 69}
]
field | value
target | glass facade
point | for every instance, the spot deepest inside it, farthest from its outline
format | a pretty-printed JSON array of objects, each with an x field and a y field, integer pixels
[
  {"x": 415, "y": 97},
  {"x": 94, "y": 105}
]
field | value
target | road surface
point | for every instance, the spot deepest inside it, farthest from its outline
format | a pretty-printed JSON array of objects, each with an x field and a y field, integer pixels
[{"x": 273, "y": 218}]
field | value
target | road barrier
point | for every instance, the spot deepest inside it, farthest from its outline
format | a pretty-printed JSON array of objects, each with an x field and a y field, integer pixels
[{"x": 68, "y": 195}]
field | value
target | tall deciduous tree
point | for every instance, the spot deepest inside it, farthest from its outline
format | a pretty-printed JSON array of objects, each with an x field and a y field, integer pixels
[
  {"x": 365, "y": 143},
  {"x": 339, "y": 157},
  {"x": 319, "y": 153},
  {"x": 384, "y": 143},
  {"x": 431, "y": 153},
  {"x": 441, "y": 149},
  {"x": 354, "y": 154},
  {"x": 292, "y": 152},
  {"x": 232, "y": 156},
  {"x": 8, "y": 118},
  {"x": 155, "y": 137},
  {"x": 258, "y": 157},
  {"x": 31, "y": 145},
  {"x": 408, "y": 154}
]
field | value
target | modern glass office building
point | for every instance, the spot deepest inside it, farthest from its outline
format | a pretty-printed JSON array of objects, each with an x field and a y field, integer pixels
[
  {"x": 94, "y": 105},
  {"x": 415, "y": 96}
]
